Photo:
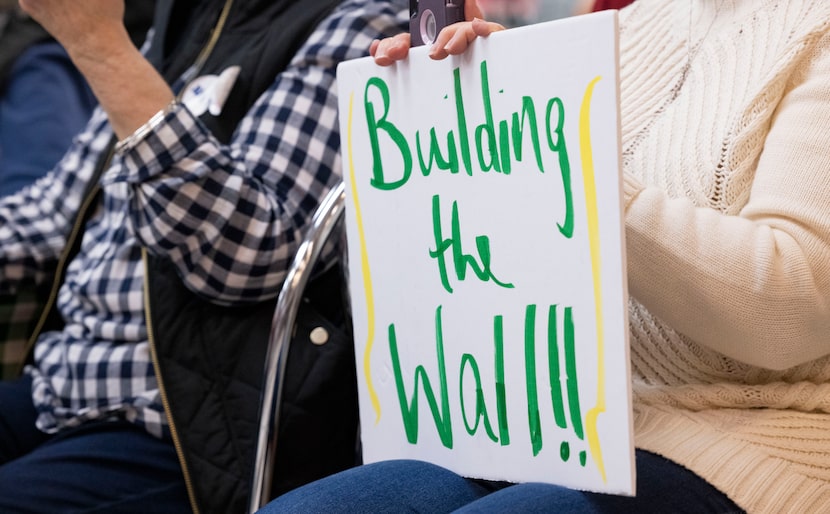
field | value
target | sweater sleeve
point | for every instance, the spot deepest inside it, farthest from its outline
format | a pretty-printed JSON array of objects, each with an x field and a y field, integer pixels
[{"x": 755, "y": 286}]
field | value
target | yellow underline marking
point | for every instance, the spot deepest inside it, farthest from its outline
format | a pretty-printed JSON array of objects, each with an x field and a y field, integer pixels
[
  {"x": 593, "y": 238},
  {"x": 367, "y": 276}
]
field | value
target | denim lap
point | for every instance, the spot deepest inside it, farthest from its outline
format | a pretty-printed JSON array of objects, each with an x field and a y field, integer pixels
[
  {"x": 414, "y": 486},
  {"x": 107, "y": 466}
]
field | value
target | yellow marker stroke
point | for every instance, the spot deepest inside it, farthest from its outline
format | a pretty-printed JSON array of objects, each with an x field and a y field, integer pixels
[
  {"x": 367, "y": 277},
  {"x": 585, "y": 153}
]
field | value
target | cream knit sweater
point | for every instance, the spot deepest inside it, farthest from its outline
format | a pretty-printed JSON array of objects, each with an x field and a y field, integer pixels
[{"x": 726, "y": 153}]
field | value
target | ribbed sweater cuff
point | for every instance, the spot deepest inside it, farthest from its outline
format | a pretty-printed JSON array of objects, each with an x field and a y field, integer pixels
[{"x": 631, "y": 188}]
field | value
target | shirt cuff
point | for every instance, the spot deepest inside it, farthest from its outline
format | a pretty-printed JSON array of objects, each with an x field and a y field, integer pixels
[
  {"x": 141, "y": 133},
  {"x": 167, "y": 138}
]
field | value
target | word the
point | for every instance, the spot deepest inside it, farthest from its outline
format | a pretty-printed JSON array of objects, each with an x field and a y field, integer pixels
[{"x": 461, "y": 261}]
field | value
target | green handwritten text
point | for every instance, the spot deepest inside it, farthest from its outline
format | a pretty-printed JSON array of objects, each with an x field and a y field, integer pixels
[
  {"x": 461, "y": 261},
  {"x": 496, "y": 143}
]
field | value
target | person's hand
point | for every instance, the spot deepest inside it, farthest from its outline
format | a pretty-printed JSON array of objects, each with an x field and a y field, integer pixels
[
  {"x": 388, "y": 50},
  {"x": 456, "y": 38},
  {"x": 81, "y": 27},
  {"x": 452, "y": 40}
]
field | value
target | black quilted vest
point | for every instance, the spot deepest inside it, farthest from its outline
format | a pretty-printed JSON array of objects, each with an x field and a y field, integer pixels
[{"x": 210, "y": 358}]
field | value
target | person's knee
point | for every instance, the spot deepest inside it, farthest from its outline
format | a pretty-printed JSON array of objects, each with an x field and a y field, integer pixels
[{"x": 387, "y": 486}]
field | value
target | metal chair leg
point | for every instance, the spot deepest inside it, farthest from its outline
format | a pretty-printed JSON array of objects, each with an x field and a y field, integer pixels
[{"x": 322, "y": 224}]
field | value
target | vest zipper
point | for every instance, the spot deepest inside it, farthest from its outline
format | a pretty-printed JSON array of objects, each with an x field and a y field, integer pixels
[
  {"x": 188, "y": 75},
  {"x": 174, "y": 433},
  {"x": 80, "y": 221}
]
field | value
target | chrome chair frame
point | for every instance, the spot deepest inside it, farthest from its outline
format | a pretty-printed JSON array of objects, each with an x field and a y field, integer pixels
[{"x": 288, "y": 303}]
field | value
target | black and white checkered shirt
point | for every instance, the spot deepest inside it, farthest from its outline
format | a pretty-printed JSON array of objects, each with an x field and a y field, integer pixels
[{"x": 229, "y": 217}]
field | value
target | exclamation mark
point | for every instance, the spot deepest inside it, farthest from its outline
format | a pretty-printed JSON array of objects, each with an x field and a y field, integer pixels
[
  {"x": 555, "y": 380},
  {"x": 571, "y": 381},
  {"x": 534, "y": 423},
  {"x": 553, "y": 369}
]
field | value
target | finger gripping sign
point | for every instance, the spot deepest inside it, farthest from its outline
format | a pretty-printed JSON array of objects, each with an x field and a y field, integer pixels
[{"x": 486, "y": 257}]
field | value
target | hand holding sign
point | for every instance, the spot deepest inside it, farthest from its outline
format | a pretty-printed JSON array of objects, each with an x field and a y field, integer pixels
[{"x": 452, "y": 40}]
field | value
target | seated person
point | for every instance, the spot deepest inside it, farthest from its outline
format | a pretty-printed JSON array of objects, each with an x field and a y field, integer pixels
[
  {"x": 726, "y": 151},
  {"x": 192, "y": 186}
]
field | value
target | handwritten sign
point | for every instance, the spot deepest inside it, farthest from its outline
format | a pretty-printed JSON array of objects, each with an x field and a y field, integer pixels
[{"x": 486, "y": 257}]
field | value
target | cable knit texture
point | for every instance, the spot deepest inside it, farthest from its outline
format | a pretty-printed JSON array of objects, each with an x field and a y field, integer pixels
[{"x": 726, "y": 120}]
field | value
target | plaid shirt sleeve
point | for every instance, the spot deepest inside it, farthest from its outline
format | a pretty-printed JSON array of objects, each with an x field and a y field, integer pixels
[
  {"x": 36, "y": 221},
  {"x": 34, "y": 225},
  {"x": 231, "y": 217}
]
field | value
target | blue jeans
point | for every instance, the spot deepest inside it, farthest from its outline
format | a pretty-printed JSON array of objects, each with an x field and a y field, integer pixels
[
  {"x": 414, "y": 486},
  {"x": 99, "y": 467}
]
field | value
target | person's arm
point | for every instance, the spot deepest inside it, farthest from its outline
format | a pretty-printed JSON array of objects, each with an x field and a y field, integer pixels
[
  {"x": 753, "y": 286},
  {"x": 231, "y": 217},
  {"x": 452, "y": 40},
  {"x": 35, "y": 222},
  {"x": 93, "y": 33}
]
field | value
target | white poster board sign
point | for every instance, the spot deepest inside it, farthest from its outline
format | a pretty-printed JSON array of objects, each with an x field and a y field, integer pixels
[{"x": 486, "y": 257}]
